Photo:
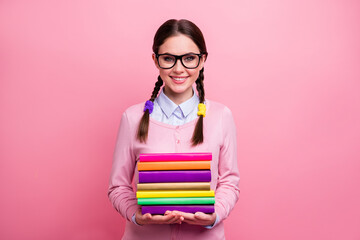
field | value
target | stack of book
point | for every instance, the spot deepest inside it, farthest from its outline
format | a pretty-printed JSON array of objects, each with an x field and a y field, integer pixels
[{"x": 175, "y": 181}]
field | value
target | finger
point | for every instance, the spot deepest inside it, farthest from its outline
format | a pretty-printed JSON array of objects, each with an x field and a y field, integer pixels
[
  {"x": 192, "y": 222},
  {"x": 198, "y": 222},
  {"x": 165, "y": 218},
  {"x": 188, "y": 216},
  {"x": 147, "y": 216},
  {"x": 159, "y": 219},
  {"x": 200, "y": 219},
  {"x": 178, "y": 214},
  {"x": 176, "y": 219},
  {"x": 202, "y": 216},
  {"x": 179, "y": 218}
]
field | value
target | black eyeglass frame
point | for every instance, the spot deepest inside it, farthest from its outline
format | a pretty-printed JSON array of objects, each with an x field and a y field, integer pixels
[{"x": 180, "y": 58}]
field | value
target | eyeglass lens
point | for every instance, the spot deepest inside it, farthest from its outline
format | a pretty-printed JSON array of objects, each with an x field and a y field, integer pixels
[{"x": 188, "y": 61}]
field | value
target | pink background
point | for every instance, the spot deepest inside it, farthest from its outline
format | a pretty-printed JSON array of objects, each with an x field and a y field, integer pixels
[{"x": 289, "y": 70}]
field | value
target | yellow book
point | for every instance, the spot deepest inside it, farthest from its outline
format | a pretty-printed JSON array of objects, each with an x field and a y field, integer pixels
[{"x": 166, "y": 194}]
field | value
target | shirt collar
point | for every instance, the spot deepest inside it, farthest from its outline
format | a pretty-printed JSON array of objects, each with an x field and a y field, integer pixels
[{"x": 168, "y": 106}]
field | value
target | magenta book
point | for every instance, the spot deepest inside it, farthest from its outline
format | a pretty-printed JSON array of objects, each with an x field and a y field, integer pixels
[{"x": 161, "y": 157}]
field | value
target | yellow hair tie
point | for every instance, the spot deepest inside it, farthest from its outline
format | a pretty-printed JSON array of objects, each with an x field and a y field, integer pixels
[{"x": 202, "y": 109}]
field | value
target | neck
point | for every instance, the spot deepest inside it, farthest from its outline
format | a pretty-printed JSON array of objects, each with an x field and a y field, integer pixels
[{"x": 178, "y": 98}]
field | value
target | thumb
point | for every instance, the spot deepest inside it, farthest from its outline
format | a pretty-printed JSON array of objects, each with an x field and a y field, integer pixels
[{"x": 147, "y": 216}]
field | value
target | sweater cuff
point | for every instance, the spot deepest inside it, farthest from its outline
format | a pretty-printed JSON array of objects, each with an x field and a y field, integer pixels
[
  {"x": 214, "y": 224},
  {"x": 131, "y": 212},
  {"x": 133, "y": 219}
]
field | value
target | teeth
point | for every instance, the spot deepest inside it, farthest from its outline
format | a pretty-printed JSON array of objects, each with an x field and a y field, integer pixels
[{"x": 179, "y": 79}]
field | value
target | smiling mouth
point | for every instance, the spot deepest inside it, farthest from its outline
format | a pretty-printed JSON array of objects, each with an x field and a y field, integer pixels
[{"x": 179, "y": 78}]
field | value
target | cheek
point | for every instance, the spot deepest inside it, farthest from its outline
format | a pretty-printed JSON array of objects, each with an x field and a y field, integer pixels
[
  {"x": 164, "y": 72},
  {"x": 194, "y": 73}
]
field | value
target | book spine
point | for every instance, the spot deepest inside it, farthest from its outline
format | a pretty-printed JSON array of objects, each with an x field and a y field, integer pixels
[
  {"x": 183, "y": 208},
  {"x": 175, "y": 201},
  {"x": 174, "y": 176},
  {"x": 174, "y": 186},
  {"x": 176, "y": 165},
  {"x": 169, "y": 194},
  {"x": 160, "y": 157}
]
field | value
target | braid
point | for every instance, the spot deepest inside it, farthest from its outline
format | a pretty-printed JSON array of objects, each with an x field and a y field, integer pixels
[
  {"x": 200, "y": 86},
  {"x": 143, "y": 129},
  {"x": 158, "y": 84},
  {"x": 198, "y": 136}
]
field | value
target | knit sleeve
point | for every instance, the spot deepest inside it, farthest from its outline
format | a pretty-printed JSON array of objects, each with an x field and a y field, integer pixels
[
  {"x": 227, "y": 190},
  {"x": 120, "y": 192}
]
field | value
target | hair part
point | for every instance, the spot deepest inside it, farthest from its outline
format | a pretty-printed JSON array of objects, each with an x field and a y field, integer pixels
[{"x": 173, "y": 27}]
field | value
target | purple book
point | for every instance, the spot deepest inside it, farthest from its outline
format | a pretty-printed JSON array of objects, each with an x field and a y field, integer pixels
[
  {"x": 183, "y": 208},
  {"x": 174, "y": 176}
]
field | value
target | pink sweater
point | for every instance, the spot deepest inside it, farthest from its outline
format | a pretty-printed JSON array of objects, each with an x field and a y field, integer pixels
[{"x": 219, "y": 139}]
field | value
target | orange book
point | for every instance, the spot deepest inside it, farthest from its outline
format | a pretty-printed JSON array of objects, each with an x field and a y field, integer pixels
[{"x": 178, "y": 165}]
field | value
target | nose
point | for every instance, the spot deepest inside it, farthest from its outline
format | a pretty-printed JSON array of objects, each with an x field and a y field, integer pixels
[{"x": 178, "y": 67}]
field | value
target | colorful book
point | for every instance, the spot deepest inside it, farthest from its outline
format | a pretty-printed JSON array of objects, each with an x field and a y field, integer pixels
[
  {"x": 169, "y": 194},
  {"x": 161, "y": 209},
  {"x": 174, "y": 176},
  {"x": 161, "y": 157},
  {"x": 174, "y": 186},
  {"x": 176, "y": 165},
  {"x": 176, "y": 201}
]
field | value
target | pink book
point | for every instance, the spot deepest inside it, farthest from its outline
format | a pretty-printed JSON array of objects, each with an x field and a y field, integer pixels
[{"x": 162, "y": 157}]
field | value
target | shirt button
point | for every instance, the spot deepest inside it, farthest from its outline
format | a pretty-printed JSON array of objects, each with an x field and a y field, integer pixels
[{"x": 178, "y": 141}]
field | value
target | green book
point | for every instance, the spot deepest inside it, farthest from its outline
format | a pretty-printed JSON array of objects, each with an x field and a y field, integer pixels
[{"x": 176, "y": 200}]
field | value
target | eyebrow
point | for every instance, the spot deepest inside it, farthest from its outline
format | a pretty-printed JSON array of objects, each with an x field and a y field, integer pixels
[{"x": 179, "y": 55}]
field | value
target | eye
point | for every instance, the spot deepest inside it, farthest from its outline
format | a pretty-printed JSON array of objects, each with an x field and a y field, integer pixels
[
  {"x": 189, "y": 58},
  {"x": 168, "y": 58}
]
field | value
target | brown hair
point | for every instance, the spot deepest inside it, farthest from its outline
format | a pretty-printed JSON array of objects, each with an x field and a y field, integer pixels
[{"x": 170, "y": 28}]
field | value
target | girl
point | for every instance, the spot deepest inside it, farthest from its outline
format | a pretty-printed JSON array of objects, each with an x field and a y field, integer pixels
[{"x": 174, "y": 121}]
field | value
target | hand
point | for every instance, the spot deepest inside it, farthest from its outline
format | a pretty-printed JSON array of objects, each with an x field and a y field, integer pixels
[
  {"x": 168, "y": 218},
  {"x": 199, "y": 218}
]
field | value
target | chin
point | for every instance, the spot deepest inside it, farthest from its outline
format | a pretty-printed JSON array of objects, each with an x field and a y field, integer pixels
[{"x": 181, "y": 89}]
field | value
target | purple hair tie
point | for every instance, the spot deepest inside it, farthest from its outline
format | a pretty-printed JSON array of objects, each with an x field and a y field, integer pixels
[{"x": 149, "y": 105}]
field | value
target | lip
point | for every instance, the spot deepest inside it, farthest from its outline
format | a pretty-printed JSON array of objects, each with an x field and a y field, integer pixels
[{"x": 177, "y": 81}]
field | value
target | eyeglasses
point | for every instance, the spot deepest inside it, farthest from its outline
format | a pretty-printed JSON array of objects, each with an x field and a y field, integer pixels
[{"x": 189, "y": 60}]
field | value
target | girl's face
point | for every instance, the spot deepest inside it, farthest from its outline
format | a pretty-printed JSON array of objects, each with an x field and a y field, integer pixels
[{"x": 178, "y": 79}]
